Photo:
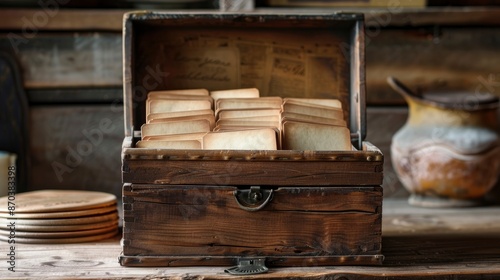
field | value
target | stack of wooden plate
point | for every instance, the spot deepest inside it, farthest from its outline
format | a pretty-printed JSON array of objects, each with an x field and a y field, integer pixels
[{"x": 58, "y": 216}]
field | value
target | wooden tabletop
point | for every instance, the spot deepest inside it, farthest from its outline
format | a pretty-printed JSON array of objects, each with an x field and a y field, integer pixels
[{"x": 417, "y": 243}]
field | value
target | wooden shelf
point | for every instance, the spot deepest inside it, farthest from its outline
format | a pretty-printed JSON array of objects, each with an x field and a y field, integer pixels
[
  {"x": 111, "y": 19},
  {"x": 36, "y": 20},
  {"x": 412, "y": 17},
  {"x": 417, "y": 243}
]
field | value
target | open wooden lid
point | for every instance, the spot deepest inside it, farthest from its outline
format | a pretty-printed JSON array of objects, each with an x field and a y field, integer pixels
[{"x": 286, "y": 55}]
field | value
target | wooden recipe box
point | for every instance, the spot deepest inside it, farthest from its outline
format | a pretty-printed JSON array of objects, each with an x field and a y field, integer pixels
[{"x": 234, "y": 207}]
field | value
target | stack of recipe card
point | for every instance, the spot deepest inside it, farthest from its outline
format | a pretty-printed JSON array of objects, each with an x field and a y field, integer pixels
[{"x": 239, "y": 119}]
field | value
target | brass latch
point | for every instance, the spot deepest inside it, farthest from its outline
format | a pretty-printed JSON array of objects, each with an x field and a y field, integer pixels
[
  {"x": 248, "y": 266},
  {"x": 253, "y": 199}
]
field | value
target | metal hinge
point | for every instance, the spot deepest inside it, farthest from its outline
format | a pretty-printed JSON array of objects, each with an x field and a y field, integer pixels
[{"x": 248, "y": 266}]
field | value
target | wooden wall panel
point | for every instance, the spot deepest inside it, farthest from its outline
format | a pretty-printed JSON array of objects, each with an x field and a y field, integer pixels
[
  {"x": 426, "y": 58},
  {"x": 76, "y": 147},
  {"x": 382, "y": 124},
  {"x": 54, "y": 60}
]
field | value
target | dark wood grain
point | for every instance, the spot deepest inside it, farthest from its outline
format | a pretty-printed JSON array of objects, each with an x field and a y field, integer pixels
[
  {"x": 207, "y": 221},
  {"x": 228, "y": 172},
  {"x": 284, "y": 199}
]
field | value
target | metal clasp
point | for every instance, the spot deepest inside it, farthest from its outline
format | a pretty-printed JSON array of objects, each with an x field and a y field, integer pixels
[
  {"x": 248, "y": 266},
  {"x": 253, "y": 199}
]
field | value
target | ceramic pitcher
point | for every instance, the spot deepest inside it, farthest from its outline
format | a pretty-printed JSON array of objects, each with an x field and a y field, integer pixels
[{"x": 447, "y": 153}]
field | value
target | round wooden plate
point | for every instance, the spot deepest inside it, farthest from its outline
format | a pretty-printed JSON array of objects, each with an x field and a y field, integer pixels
[
  {"x": 40, "y": 228},
  {"x": 61, "y": 234},
  {"x": 45, "y": 201},
  {"x": 54, "y": 215},
  {"x": 113, "y": 216},
  {"x": 63, "y": 240}
]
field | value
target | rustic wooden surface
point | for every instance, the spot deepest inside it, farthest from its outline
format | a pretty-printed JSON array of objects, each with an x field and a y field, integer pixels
[{"x": 417, "y": 243}]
